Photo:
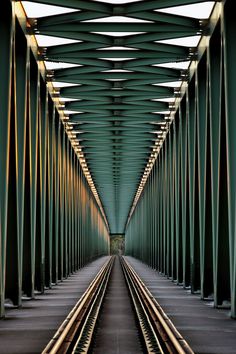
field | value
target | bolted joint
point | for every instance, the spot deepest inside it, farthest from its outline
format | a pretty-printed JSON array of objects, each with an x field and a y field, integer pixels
[
  {"x": 184, "y": 75},
  {"x": 118, "y": 10},
  {"x": 177, "y": 93},
  {"x": 41, "y": 57},
  {"x": 204, "y": 26},
  {"x": 193, "y": 54},
  {"x": 31, "y": 30},
  {"x": 42, "y": 51},
  {"x": 32, "y": 26},
  {"x": 55, "y": 94},
  {"x": 49, "y": 75},
  {"x": 49, "y": 78}
]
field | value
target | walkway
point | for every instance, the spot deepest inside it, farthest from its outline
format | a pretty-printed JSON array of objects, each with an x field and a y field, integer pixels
[
  {"x": 29, "y": 329},
  {"x": 207, "y": 330}
]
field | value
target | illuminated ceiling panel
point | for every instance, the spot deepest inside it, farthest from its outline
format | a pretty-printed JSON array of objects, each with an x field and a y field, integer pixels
[
  {"x": 37, "y": 10},
  {"x": 48, "y": 41},
  {"x": 118, "y": 19},
  {"x": 50, "y": 65},
  {"x": 201, "y": 10},
  {"x": 191, "y": 41}
]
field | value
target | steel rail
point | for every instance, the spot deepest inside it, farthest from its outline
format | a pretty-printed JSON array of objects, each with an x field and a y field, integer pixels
[
  {"x": 68, "y": 329},
  {"x": 158, "y": 332},
  {"x": 84, "y": 340},
  {"x": 151, "y": 340},
  {"x": 169, "y": 338}
]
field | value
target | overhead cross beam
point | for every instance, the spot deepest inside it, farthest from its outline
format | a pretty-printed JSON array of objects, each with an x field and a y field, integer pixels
[{"x": 118, "y": 107}]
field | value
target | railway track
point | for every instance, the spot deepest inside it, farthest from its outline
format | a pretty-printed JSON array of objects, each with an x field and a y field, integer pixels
[{"x": 156, "y": 332}]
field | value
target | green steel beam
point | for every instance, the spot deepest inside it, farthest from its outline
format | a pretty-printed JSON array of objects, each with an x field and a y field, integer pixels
[
  {"x": 6, "y": 34},
  {"x": 111, "y": 27}
]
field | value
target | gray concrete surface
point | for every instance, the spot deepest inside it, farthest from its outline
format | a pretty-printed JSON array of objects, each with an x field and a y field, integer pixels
[
  {"x": 27, "y": 330},
  {"x": 207, "y": 330}
]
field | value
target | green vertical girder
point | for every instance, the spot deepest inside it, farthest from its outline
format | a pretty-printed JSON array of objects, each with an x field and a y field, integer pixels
[
  {"x": 6, "y": 34},
  {"x": 43, "y": 135},
  {"x": 42, "y": 229},
  {"x": 184, "y": 222},
  {"x": 21, "y": 58},
  {"x": 215, "y": 75},
  {"x": 229, "y": 53},
  {"x": 194, "y": 179},
  {"x": 33, "y": 157}
]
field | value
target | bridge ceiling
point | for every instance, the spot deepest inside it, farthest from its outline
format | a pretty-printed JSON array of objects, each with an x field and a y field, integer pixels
[{"x": 118, "y": 68}]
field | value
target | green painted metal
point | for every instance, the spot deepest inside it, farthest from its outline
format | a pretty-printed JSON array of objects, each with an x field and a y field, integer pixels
[
  {"x": 21, "y": 57},
  {"x": 215, "y": 73},
  {"x": 42, "y": 227},
  {"x": 184, "y": 222},
  {"x": 192, "y": 183},
  {"x": 113, "y": 93}
]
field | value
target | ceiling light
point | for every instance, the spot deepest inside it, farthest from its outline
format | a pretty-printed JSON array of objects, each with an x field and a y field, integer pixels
[
  {"x": 48, "y": 41},
  {"x": 115, "y": 79},
  {"x": 77, "y": 132},
  {"x": 117, "y": 59},
  {"x": 118, "y": 34},
  {"x": 183, "y": 65},
  {"x": 63, "y": 84},
  {"x": 161, "y": 112},
  {"x": 170, "y": 84},
  {"x": 67, "y": 99},
  {"x": 190, "y": 41},
  {"x": 70, "y": 112},
  {"x": 71, "y": 136},
  {"x": 168, "y": 99},
  {"x": 118, "y": 19},
  {"x": 40, "y": 10},
  {"x": 117, "y": 71},
  {"x": 201, "y": 10},
  {"x": 118, "y": 2},
  {"x": 117, "y": 48},
  {"x": 51, "y": 65}
]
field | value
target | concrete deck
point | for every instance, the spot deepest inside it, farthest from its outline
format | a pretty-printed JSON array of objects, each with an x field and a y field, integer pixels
[
  {"x": 207, "y": 330},
  {"x": 28, "y": 330}
]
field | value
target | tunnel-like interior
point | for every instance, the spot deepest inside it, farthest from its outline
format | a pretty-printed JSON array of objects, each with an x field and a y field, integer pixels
[{"x": 117, "y": 118}]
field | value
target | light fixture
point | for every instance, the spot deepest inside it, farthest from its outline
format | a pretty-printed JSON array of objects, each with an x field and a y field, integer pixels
[
  {"x": 34, "y": 10},
  {"x": 200, "y": 11}
]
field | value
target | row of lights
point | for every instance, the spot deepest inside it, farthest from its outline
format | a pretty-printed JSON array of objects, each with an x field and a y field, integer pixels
[
  {"x": 72, "y": 135},
  {"x": 161, "y": 135},
  {"x": 78, "y": 150},
  {"x": 178, "y": 93},
  {"x": 54, "y": 92},
  {"x": 153, "y": 156}
]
